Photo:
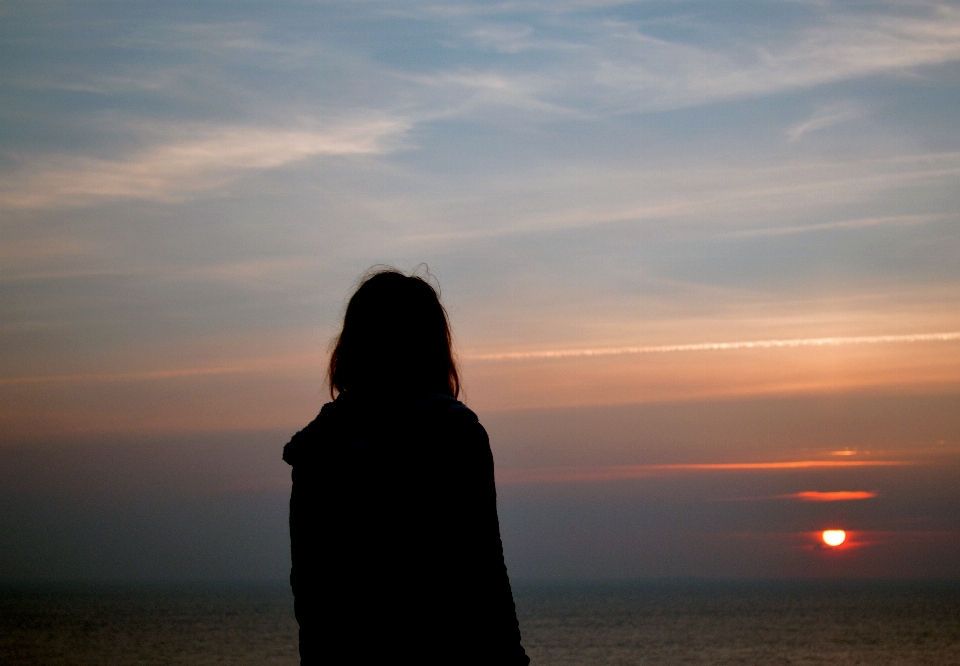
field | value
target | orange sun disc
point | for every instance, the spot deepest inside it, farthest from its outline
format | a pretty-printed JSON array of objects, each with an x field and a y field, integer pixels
[{"x": 834, "y": 537}]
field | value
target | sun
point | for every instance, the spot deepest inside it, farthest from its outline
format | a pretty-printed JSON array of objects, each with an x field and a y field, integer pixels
[{"x": 834, "y": 537}]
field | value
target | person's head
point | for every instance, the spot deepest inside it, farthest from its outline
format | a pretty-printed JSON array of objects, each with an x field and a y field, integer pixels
[{"x": 395, "y": 337}]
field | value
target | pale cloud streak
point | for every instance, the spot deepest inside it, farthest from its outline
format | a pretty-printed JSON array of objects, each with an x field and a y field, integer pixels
[
  {"x": 660, "y": 74},
  {"x": 718, "y": 346},
  {"x": 286, "y": 363},
  {"x": 605, "y": 65},
  {"x": 616, "y": 67},
  {"x": 721, "y": 200},
  {"x": 823, "y": 118},
  {"x": 858, "y": 223},
  {"x": 175, "y": 170}
]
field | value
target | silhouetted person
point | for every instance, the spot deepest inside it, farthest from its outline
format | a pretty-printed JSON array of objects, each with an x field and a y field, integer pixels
[{"x": 393, "y": 518}]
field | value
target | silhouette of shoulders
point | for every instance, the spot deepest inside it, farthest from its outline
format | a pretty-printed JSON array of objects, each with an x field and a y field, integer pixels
[
  {"x": 395, "y": 540},
  {"x": 351, "y": 416}
]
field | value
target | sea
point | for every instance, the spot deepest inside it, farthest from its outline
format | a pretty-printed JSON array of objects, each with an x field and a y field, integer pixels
[{"x": 872, "y": 623}]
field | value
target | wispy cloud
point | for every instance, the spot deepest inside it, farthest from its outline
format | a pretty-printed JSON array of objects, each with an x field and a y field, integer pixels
[
  {"x": 625, "y": 472},
  {"x": 587, "y": 61},
  {"x": 858, "y": 223},
  {"x": 823, "y": 118},
  {"x": 720, "y": 200},
  {"x": 473, "y": 93},
  {"x": 256, "y": 274},
  {"x": 503, "y": 37},
  {"x": 717, "y": 346},
  {"x": 251, "y": 365},
  {"x": 591, "y": 60},
  {"x": 659, "y": 74},
  {"x": 175, "y": 170}
]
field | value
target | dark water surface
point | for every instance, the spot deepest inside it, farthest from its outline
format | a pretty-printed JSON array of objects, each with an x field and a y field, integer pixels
[
  {"x": 875, "y": 623},
  {"x": 610, "y": 623},
  {"x": 114, "y": 625}
]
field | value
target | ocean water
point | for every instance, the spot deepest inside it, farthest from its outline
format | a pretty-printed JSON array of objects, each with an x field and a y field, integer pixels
[
  {"x": 870, "y": 623},
  {"x": 120, "y": 625},
  {"x": 709, "y": 623}
]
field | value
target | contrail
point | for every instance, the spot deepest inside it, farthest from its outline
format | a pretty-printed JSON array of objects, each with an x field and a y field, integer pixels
[
  {"x": 258, "y": 365},
  {"x": 719, "y": 346}
]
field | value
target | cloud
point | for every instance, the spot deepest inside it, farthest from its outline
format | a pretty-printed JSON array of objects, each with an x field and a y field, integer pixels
[
  {"x": 264, "y": 275},
  {"x": 592, "y": 67},
  {"x": 720, "y": 200},
  {"x": 646, "y": 72},
  {"x": 267, "y": 365},
  {"x": 833, "y": 496},
  {"x": 472, "y": 93},
  {"x": 717, "y": 346},
  {"x": 588, "y": 60},
  {"x": 823, "y": 118},
  {"x": 175, "y": 170},
  {"x": 625, "y": 472},
  {"x": 506, "y": 38},
  {"x": 858, "y": 223}
]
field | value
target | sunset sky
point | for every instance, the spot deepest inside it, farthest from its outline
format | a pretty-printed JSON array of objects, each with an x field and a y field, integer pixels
[{"x": 702, "y": 261}]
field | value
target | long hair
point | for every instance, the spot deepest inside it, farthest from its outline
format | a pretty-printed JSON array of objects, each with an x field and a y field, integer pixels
[{"x": 395, "y": 336}]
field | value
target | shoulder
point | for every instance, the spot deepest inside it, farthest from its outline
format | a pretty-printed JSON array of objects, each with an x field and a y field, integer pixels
[
  {"x": 465, "y": 439},
  {"x": 360, "y": 418},
  {"x": 306, "y": 440},
  {"x": 455, "y": 414},
  {"x": 449, "y": 406}
]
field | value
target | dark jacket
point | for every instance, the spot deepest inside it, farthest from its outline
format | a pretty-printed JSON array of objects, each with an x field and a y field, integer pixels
[{"x": 394, "y": 537}]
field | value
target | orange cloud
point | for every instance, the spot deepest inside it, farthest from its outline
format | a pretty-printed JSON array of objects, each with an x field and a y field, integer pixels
[
  {"x": 835, "y": 496},
  {"x": 174, "y": 170}
]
